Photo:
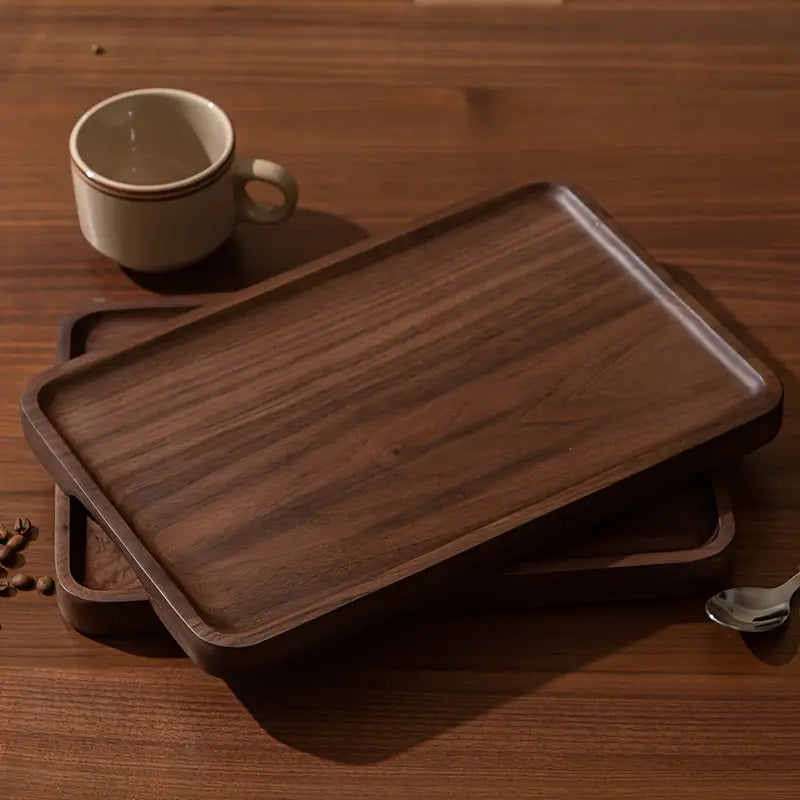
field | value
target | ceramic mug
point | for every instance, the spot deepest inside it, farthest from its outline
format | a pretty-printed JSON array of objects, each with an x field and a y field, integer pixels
[{"x": 157, "y": 183}]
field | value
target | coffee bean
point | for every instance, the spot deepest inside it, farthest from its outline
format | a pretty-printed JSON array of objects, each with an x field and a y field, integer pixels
[
  {"x": 6, "y": 553},
  {"x": 45, "y": 585},
  {"x": 22, "y": 525},
  {"x": 16, "y": 542},
  {"x": 3, "y": 585},
  {"x": 22, "y": 581}
]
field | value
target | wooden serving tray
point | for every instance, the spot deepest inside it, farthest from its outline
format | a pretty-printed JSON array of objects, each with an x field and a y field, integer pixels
[
  {"x": 677, "y": 544},
  {"x": 341, "y": 440}
]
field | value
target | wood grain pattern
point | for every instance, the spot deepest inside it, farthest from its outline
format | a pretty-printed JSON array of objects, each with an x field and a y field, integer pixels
[
  {"x": 677, "y": 544},
  {"x": 326, "y": 446},
  {"x": 683, "y": 118},
  {"x": 488, "y": 2}
]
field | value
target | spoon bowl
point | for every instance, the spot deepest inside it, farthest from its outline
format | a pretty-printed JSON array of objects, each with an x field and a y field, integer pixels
[{"x": 752, "y": 609}]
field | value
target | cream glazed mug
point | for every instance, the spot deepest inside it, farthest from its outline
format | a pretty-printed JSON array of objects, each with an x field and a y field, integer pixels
[{"x": 157, "y": 183}]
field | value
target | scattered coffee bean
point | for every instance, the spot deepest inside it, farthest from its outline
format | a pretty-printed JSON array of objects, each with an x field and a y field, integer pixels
[
  {"x": 16, "y": 542},
  {"x": 21, "y": 580},
  {"x": 98, "y": 49},
  {"x": 6, "y": 553},
  {"x": 22, "y": 525},
  {"x": 45, "y": 585}
]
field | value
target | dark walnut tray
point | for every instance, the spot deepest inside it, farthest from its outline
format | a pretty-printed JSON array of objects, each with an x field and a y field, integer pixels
[
  {"x": 678, "y": 543},
  {"x": 371, "y": 429}
]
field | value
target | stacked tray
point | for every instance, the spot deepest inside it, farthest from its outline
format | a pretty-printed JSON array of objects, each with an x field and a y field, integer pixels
[
  {"x": 364, "y": 432},
  {"x": 676, "y": 543}
]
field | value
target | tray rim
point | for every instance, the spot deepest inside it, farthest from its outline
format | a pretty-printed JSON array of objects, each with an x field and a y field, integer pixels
[
  {"x": 73, "y": 593},
  {"x": 172, "y": 604}
]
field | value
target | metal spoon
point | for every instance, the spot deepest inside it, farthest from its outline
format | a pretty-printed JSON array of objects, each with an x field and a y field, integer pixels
[{"x": 751, "y": 609}]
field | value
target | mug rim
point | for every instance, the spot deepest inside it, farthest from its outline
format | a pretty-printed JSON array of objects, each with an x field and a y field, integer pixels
[{"x": 205, "y": 176}]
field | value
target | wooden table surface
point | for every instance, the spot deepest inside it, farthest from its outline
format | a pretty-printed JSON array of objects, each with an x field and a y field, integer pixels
[{"x": 683, "y": 119}]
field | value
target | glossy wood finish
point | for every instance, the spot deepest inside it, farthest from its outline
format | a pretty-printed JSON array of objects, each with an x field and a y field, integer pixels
[
  {"x": 336, "y": 443},
  {"x": 678, "y": 543},
  {"x": 685, "y": 121}
]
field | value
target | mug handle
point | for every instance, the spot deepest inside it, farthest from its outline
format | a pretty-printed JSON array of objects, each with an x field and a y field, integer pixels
[{"x": 257, "y": 169}]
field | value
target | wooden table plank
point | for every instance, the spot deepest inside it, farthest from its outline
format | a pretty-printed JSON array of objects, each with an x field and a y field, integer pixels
[{"x": 684, "y": 120}]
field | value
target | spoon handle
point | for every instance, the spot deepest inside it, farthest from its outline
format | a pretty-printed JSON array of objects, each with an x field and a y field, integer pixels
[{"x": 791, "y": 586}]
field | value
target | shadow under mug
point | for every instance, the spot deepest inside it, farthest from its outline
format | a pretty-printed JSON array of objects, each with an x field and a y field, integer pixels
[{"x": 157, "y": 182}]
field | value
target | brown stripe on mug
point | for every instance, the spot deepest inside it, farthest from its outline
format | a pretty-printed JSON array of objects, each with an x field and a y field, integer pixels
[{"x": 145, "y": 194}]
